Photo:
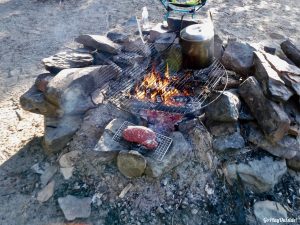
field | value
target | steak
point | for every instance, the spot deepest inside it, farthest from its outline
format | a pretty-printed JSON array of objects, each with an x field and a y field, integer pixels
[{"x": 141, "y": 135}]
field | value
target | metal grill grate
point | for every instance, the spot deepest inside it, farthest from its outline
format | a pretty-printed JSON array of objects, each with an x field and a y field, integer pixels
[
  {"x": 159, "y": 153},
  {"x": 207, "y": 81}
]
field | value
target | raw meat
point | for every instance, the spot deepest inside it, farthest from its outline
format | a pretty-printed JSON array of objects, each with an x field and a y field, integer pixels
[{"x": 141, "y": 135}]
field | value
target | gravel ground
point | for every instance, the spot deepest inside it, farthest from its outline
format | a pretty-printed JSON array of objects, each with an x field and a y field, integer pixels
[{"x": 33, "y": 29}]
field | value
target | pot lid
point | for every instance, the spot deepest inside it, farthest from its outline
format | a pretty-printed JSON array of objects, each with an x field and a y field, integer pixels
[{"x": 197, "y": 32}]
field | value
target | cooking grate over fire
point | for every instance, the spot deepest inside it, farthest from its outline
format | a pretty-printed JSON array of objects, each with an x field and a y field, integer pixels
[
  {"x": 159, "y": 153},
  {"x": 158, "y": 88}
]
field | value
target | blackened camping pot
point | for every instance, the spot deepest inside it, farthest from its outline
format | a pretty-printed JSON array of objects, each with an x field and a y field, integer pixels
[{"x": 197, "y": 43}]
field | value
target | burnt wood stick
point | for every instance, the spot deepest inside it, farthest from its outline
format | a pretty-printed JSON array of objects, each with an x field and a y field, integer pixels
[{"x": 291, "y": 51}]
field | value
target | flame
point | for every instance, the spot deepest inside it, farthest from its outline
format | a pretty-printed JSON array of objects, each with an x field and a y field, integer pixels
[{"x": 160, "y": 89}]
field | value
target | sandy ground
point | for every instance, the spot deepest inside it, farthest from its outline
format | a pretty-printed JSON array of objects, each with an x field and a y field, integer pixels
[{"x": 33, "y": 29}]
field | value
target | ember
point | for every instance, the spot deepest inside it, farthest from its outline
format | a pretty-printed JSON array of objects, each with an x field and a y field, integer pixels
[{"x": 163, "y": 89}]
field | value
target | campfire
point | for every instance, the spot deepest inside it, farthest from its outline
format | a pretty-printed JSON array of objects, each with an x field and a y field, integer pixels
[{"x": 163, "y": 88}]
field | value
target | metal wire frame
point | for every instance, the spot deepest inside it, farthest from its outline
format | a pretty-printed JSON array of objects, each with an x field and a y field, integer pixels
[
  {"x": 158, "y": 153},
  {"x": 213, "y": 75}
]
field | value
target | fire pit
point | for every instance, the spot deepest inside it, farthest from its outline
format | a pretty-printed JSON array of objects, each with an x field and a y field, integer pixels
[{"x": 160, "y": 89}]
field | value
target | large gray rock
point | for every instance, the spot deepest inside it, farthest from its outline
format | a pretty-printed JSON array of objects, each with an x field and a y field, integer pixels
[
  {"x": 272, "y": 84},
  {"x": 238, "y": 57},
  {"x": 177, "y": 154},
  {"x": 259, "y": 175},
  {"x": 271, "y": 117},
  {"x": 288, "y": 147},
  {"x": 34, "y": 101},
  {"x": 59, "y": 131},
  {"x": 67, "y": 60},
  {"x": 74, "y": 207},
  {"x": 225, "y": 108},
  {"x": 99, "y": 42},
  {"x": 265, "y": 211},
  {"x": 131, "y": 164},
  {"x": 289, "y": 73},
  {"x": 202, "y": 144},
  {"x": 70, "y": 89},
  {"x": 231, "y": 142}
]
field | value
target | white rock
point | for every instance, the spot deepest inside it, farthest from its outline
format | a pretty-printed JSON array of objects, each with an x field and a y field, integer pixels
[
  {"x": 67, "y": 172},
  {"x": 67, "y": 160},
  {"x": 46, "y": 192},
  {"x": 73, "y": 207}
]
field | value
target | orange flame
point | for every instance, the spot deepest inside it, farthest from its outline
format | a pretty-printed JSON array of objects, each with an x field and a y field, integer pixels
[{"x": 160, "y": 89}]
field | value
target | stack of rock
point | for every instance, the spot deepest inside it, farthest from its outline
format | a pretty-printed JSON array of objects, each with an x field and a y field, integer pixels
[{"x": 262, "y": 112}]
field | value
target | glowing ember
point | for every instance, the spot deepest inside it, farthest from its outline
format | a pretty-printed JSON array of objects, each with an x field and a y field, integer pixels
[{"x": 161, "y": 89}]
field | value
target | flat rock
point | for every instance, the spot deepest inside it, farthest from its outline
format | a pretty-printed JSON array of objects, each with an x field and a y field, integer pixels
[
  {"x": 74, "y": 207},
  {"x": 272, "y": 84},
  {"x": 99, "y": 42},
  {"x": 238, "y": 57},
  {"x": 177, "y": 154},
  {"x": 131, "y": 163},
  {"x": 225, "y": 108},
  {"x": 34, "y": 101},
  {"x": 69, "y": 159},
  {"x": 67, "y": 60},
  {"x": 59, "y": 131},
  {"x": 231, "y": 142},
  {"x": 106, "y": 145},
  {"x": 70, "y": 89},
  {"x": 259, "y": 175},
  {"x": 47, "y": 175},
  {"x": 289, "y": 73},
  {"x": 117, "y": 37},
  {"x": 288, "y": 147},
  {"x": 267, "y": 210},
  {"x": 46, "y": 192},
  {"x": 270, "y": 116}
]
